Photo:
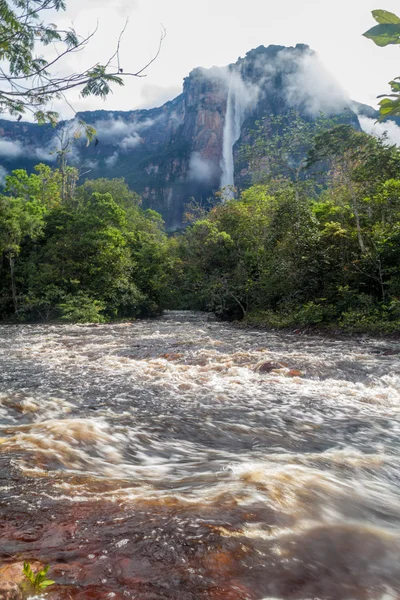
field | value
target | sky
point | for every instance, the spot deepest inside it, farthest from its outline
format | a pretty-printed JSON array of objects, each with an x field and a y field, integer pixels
[{"x": 216, "y": 32}]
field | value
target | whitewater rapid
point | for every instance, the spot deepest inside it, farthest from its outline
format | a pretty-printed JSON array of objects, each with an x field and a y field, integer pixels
[{"x": 183, "y": 458}]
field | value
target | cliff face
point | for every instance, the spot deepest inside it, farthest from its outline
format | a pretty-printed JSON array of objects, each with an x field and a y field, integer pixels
[{"x": 188, "y": 147}]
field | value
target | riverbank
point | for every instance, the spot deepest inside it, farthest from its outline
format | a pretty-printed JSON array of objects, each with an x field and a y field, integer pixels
[
  {"x": 307, "y": 322},
  {"x": 292, "y": 322}
]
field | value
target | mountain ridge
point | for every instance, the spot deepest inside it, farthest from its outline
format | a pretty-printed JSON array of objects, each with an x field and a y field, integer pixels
[{"x": 188, "y": 146}]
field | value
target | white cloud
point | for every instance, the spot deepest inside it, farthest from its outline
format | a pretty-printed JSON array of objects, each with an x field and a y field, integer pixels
[
  {"x": 314, "y": 88},
  {"x": 200, "y": 169},
  {"x": 130, "y": 141},
  {"x": 46, "y": 154},
  {"x": 122, "y": 133},
  {"x": 378, "y": 129},
  {"x": 306, "y": 83},
  {"x": 10, "y": 149},
  {"x": 111, "y": 161},
  {"x": 3, "y": 174},
  {"x": 153, "y": 95}
]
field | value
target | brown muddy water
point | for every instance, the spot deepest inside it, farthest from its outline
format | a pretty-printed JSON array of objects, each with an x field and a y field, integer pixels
[{"x": 186, "y": 459}]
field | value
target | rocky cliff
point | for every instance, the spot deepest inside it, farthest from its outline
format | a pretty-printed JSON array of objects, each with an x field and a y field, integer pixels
[{"x": 188, "y": 147}]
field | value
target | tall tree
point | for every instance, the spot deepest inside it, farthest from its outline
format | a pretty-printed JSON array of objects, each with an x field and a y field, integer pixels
[
  {"x": 343, "y": 149},
  {"x": 19, "y": 219}
]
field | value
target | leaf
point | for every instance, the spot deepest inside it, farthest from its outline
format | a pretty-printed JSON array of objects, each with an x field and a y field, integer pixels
[
  {"x": 389, "y": 107},
  {"x": 39, "y": 580},
  {"x": 395, "y": 85},
  {"x": 46, "y": 583},
  {"x": 384, "y": 17},
  {"x": 384, "y": 35},
  {"x": 29, "y": 573},
  {"x": 71, "y": 39}
]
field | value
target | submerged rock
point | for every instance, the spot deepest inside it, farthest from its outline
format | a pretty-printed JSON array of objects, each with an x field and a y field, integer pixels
[{"x": 268, "y": 366}]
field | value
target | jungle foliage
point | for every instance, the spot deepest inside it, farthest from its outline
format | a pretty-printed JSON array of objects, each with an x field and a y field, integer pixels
[
  {"x": 92, "y": 254},
  {"x": 317, "y": 244},
  {"x": 314, "y": 241}
]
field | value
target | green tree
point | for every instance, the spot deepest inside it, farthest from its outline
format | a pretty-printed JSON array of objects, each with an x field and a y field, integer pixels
[
  {"x": 90, "y": 256},
  {"x": 277, "y": 153},
  {"x": 119, "y": 190},
  {"x": 44, "y": 185},
  {"x": 343, "y": 149},
  {"x": 20, "y": 218}
]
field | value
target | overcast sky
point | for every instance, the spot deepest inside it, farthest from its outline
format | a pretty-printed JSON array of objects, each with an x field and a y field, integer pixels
[{"x": 217, "y": 32}]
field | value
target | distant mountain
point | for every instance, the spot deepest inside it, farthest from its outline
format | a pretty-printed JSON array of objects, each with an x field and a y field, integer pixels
[{"x": 189, "y": 146}]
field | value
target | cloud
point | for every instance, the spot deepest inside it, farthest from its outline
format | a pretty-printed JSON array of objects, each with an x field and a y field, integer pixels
[
  {"x": 3, "y": 174},
  {"x": 308, "y": 85},
  {"x": 297, "y": 72},
  {"x": 46, "y": 154},
  {"x": 10, "y": 149},
  {"x": 130, "y": 141},
  {"x": 14, "y": 149},
  {"x": 90, "y": 164},
  {"x": 200, "y": 169},
  {"x": 153, "y": 96},
  {"x": 122, "y": 133},
  {"x": 111, "y": 161},
  {"x": 122, "y": 7},
  {"x": 378, "y": 129}
]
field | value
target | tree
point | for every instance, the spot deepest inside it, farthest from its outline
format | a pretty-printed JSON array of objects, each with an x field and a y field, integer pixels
[
  {"x": 117, "y": 187},
  {"x": 44, "y": 185},
  {"x": 277, "y": 154},
  {"x": 28, "y": 81},
  {"x": 86, "y": 257},
  {"x": 19, "y": 219},
  {"x": 343, "y": 148},
  {"x": 386, "y": 33}
]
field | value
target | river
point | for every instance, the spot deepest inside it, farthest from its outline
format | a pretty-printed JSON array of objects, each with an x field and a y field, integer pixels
[{"x": 185, "y": 459}]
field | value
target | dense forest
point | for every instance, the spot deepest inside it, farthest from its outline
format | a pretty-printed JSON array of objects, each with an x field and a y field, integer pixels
[{"x": 314, "y": 240}]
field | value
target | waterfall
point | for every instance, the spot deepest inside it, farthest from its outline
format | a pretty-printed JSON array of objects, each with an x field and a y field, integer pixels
[{"x": 235, "y": 109}]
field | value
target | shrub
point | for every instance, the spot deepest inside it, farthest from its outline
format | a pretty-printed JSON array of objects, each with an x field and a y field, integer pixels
[{"x": 81, "y": 308}]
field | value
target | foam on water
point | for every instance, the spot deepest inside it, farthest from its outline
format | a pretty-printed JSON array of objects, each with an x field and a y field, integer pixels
[{"x": 286, "y": 437}]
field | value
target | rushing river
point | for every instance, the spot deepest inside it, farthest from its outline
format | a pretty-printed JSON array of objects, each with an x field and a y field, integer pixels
[{"x": 184, "y": 459}]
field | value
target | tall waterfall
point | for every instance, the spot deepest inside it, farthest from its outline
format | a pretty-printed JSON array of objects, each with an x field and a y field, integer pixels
[{"x": 235, "y": 112}]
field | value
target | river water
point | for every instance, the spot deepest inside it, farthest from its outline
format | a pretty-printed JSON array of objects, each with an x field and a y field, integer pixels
[{"x": 186, "y": 459}]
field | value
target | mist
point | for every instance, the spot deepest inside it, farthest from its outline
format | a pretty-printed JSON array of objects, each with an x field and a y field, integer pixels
[{"x": 378, "y": 129}]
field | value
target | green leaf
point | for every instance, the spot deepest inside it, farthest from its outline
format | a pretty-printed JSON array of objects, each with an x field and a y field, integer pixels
[
  {"x": 395, "y": 85},
  {"x": 384, "y": 35},
  {"x": 389, "y": 108},
  {"x": 71, "y": 39},
  {"x": 46, "y": 583},
  {"x": 384, "y": 17},
  {"x": 39, "y": 580},
  {"x": 29, "y": 573}
]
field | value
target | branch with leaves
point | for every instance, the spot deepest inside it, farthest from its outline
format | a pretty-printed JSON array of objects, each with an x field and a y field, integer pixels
[
  {"x": 28, "y": 81},
  {"x": 386, "y": 33}
]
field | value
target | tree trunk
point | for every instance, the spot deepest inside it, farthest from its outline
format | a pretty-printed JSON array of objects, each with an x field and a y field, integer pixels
[
  {"x": 356, "y": 213},
  {"x": 63, "y": 177},
  {"x": 13, "y": 285},
  {"x": 358, "y": 226}
]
